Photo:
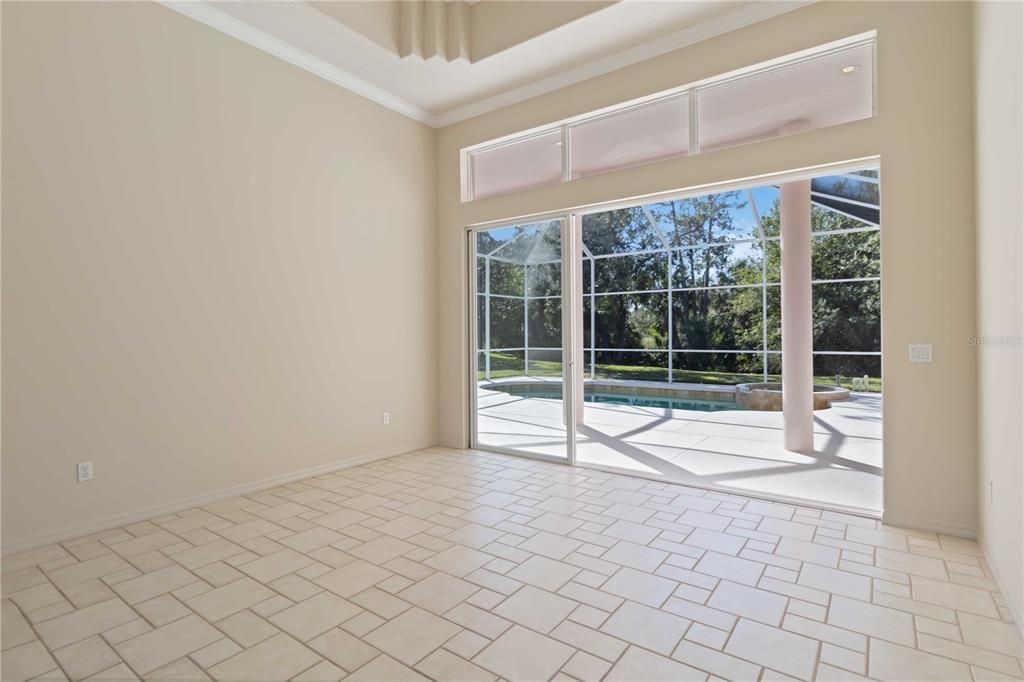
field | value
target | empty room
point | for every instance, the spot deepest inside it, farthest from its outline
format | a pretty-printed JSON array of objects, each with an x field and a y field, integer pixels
[{"x": 518, "y": 340}]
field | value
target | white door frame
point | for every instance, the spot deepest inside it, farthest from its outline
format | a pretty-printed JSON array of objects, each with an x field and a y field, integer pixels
[
  {"x": 572, "y": 392},
  {"x": 572, "y": 291}
]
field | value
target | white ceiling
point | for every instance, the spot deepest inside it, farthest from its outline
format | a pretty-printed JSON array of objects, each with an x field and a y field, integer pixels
[{"x": 440, "y": 92}]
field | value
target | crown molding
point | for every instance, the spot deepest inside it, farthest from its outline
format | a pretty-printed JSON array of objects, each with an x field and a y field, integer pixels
[
  {"x": 213, "y": 17},
  {"x": 736, "y": 19}
]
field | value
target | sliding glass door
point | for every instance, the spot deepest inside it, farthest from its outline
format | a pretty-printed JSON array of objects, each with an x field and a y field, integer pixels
[
  {"x": 522, "y": 387},
  {"x": 655, "y": 330}
]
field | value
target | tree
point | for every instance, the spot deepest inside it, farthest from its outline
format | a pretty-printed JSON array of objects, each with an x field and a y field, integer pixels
[
  {"x": 717, "y": 298},
  {"x": 703, "y": 230},
  {"x": 626, "y": 318},
  {"x": 846, "y": 315}
]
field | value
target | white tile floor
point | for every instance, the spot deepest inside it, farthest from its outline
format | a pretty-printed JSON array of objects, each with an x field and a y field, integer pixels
[
  {"x": 455, "y": 565},
  {"x": 737, "y": 450}
]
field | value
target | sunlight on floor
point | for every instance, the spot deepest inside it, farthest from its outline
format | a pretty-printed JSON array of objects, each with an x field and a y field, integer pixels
[{"x": 738, "y": 450}]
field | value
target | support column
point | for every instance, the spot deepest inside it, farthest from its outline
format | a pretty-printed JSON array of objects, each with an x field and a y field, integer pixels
[{"x": 797, "y": 332}]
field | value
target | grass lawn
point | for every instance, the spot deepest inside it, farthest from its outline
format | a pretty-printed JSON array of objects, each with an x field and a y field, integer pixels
[{"x": 507, "y": 365}]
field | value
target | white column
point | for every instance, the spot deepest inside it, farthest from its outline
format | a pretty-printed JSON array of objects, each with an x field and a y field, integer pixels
[{"x": 797, "y": 337}]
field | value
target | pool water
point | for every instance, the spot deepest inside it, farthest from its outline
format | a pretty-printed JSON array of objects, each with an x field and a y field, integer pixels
[{"x": 660, "y": 402}]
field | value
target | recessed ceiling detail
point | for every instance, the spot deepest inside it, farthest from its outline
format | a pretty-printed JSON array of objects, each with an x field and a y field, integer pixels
[
  {"x": 443, "y": 61},
  {"x": 428, "y": 28}
]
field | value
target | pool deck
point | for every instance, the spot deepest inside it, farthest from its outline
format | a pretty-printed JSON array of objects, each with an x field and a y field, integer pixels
[{"x": 735, "y": 450}]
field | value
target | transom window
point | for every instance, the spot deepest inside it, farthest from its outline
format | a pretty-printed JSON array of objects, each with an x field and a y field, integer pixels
[{"x": 822, "y": 87}]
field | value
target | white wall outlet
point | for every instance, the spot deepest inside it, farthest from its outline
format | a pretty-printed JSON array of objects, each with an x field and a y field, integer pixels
[
  {"x": 920, "y": 352},
  {"x": 387, "y": 418},
  {"x": 84, "y": 471}
]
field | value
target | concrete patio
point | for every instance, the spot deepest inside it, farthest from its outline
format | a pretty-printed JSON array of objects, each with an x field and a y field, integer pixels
[{"x": 735, "y": 450}]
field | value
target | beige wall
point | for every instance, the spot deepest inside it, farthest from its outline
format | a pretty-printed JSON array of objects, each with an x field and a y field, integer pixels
[
  {"x": 217, "y": 268},
  {"x": 211, "y": 258},
  {"x": 998, "y": 34},
  {"x": 923, "y": 134}
]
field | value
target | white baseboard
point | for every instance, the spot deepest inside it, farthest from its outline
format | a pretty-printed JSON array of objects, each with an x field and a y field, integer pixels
[
  {"x": 929, "y": 525},
  {"x": 1015, "y": 609},
  {"x": 125, "y": 518}
]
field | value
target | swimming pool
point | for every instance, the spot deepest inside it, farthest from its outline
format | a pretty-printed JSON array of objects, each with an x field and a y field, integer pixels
[{"x": 617, "y": 398}]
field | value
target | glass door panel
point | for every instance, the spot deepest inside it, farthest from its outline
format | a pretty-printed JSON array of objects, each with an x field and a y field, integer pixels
[
  {"x": 635, "y": 324},
  {"x": 520, "y": 369}
]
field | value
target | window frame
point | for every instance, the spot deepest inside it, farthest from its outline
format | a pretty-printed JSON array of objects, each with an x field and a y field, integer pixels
[{"x": 692, "y": 93}]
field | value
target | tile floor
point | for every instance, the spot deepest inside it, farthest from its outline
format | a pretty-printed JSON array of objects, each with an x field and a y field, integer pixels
[
  {"x": 736, "y": 450},
  {"x": 455, "y": 565}
]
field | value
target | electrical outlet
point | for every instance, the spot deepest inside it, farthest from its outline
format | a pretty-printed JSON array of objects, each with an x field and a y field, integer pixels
[
  {"x": 84, "y": 471},
  {"x": 387, "y": 418}
]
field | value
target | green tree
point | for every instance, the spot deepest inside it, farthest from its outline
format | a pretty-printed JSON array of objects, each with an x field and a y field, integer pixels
[
  {"x": 846, "y": 315},
  {"x": 629, "y": 262}
]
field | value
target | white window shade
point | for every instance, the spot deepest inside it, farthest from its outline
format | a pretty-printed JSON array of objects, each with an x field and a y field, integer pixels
[
  {"x": 815, "y": 93},
  {"x": 641, "y": 134},
  {"x": 519, "y": 164},
  {"x": 830, "y": 85}
]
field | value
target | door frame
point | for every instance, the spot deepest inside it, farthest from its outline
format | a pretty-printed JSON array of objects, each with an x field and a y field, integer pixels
[
  {"x": 570, "y": 234},
  {"x": 572, "y": 220}
]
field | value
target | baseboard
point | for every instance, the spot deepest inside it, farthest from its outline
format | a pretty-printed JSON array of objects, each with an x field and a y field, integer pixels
[
  {"x": 929, "y": 525},
  {"x": 125, "y": 518},
  {"x": 1015, "y": 609}
]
